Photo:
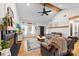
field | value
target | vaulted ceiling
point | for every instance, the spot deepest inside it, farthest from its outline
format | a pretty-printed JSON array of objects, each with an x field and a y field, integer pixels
[
  {"x": 66, "y": 5},
  {"x": 29, "y": 13}
]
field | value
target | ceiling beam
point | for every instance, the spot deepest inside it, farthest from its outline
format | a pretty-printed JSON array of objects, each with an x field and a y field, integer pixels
[
  {"x": 53, "y": 7},
  {"x": 74, "y": 17}
]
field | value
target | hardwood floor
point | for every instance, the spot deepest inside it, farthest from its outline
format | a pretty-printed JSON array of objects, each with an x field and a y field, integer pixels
[{"x": 22, "y": 51}]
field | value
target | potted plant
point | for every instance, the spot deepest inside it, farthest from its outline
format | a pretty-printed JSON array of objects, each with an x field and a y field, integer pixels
[
  {"x": 0, "y": 47},
  {"x": 5, "y": 22},
  {"x": 5, "y": 45},
  {"x": 6, "y": 19},
  {"x": 5, "y": 48}
]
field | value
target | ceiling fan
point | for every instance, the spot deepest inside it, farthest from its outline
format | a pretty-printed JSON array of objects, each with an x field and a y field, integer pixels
[{"x": 44, "y": 11}]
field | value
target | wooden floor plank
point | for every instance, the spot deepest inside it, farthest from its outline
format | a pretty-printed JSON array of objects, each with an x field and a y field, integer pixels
[
  {"x": 22, "y": 51},
  {"x": 37, "y": 52}
]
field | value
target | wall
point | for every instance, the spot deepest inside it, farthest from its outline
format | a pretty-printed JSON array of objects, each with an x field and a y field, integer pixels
[
  {"x": 1, "y": 10},
  {"x": 62, "y": 18}
]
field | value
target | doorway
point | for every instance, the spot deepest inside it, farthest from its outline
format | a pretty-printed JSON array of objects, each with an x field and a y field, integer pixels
[{"x": 42, "y": 30}]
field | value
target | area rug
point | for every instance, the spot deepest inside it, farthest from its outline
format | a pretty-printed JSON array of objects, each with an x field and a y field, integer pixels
[
  {"x": 15, "y": 49},
  {"x": 32, "y": 44}
]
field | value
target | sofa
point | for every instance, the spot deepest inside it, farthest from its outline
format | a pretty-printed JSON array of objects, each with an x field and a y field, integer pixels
[
  {"x": 52, "y": 49},
  {"x": 55, "y": 46}
]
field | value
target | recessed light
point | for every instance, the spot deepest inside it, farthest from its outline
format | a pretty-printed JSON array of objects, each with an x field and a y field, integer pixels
[{"x": 28, "y": 4}]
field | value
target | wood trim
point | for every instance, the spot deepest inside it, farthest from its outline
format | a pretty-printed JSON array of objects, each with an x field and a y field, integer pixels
[
  {"x": 53, "y": 7},
  {"x": 29, "y": 23},
  {"x": 73, "y": 17},
  {"x": 59, "y": 27}
]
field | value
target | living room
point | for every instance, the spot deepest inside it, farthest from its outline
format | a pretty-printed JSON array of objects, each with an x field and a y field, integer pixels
[{"x": 30, "y": 27}]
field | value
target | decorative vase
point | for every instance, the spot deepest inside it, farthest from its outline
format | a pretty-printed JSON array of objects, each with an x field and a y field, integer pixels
[{"x": 6, "y": 52}]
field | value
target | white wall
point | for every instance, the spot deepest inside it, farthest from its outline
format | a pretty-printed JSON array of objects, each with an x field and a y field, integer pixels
[
  {"x": 1, "y": 10},
  {"x": 60, "y": 20}
]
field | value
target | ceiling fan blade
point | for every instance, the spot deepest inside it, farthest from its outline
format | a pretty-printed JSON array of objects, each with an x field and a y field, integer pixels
[
  {"x": 46, "y": 13},
  {"x": 49, "y": 11},
  {"x": 39, "y": 12},
  {"x": 42, "y": 14}
]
